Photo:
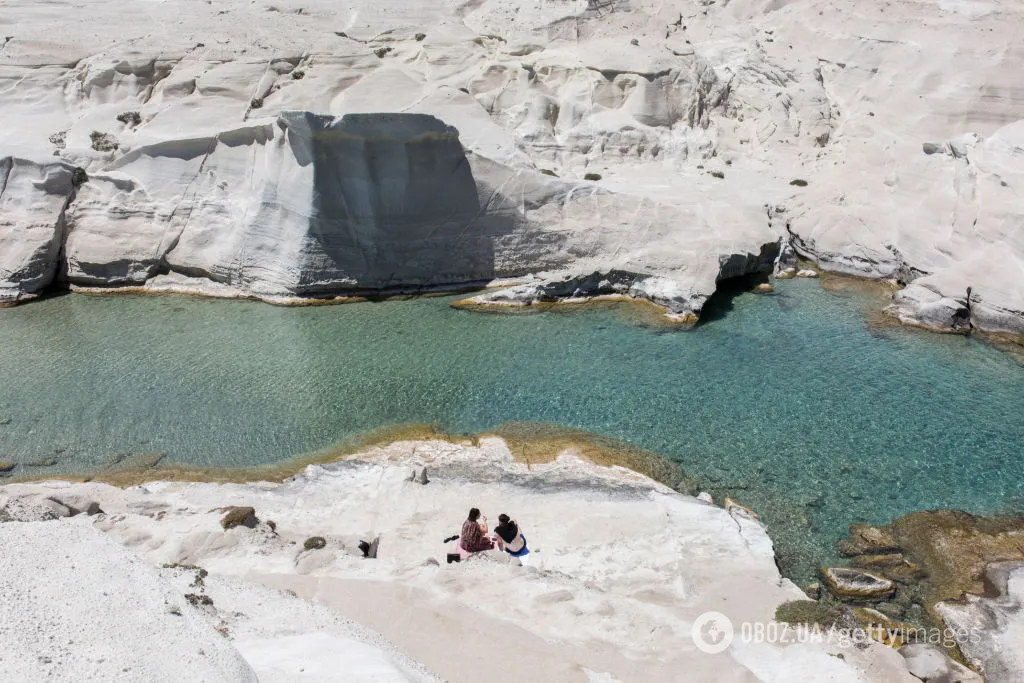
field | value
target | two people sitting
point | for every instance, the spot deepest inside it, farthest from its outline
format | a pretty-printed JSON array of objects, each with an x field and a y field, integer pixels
[{"x": 507, "y": 536}]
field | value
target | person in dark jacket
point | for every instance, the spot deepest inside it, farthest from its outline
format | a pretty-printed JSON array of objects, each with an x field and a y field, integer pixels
[{"x": 510, "y": 537}]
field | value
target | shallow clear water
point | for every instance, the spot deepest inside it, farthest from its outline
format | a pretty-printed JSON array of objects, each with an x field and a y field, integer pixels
[{"x": 791, "y": 402}]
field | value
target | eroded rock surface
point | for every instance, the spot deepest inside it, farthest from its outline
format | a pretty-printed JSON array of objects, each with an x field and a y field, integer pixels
[
  {"x": 961, "y": 572},
  {"x": 855, "y": 584},
  {"x": 998, "y": 621},
  {"x": 667, "y": 140}
]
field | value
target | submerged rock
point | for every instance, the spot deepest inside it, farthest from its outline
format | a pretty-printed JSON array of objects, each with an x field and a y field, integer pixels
[
  {"x": 142, "y": 461},
  {"x": 964, "y": 570},
  {"x": 854, "y": 584},
  {"x": 811, "y": 613},
  {"x": 893, "y": 565},
  {"x": 884, "y": 628},
  {"x": 865, "y": 539}
]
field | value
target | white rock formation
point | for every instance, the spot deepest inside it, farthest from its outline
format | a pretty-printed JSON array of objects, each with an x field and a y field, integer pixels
[
  {"x": 991, "y": 629},
  {"x": 930, "y": 663},
  {"x": 881, "y": 139},
  {"x": 77, "y": 607},
  {"x": 620, "y": 569}
]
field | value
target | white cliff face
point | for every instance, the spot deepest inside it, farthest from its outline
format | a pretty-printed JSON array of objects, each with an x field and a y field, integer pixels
[
  {"x": 882, "y": 139},
  {"x": 33, "y": 200}
]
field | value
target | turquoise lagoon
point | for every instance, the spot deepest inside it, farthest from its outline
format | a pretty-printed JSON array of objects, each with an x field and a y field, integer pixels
[{"x": 795, "y": 402}]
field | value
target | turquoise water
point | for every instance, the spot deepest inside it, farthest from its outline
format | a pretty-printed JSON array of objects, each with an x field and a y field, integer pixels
[{"x": 791, "y": 402}]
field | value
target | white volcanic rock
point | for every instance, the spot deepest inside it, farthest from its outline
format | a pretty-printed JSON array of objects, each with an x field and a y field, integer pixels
[
  {"x": 33, "y": 199},
  {"x": 619, "y": 571},
  {"x": 991, "y": 629},
  {"x": 79, "y": 607},
  {"x": 881, "y": 139},
  {"x": 929, "y": 663}
]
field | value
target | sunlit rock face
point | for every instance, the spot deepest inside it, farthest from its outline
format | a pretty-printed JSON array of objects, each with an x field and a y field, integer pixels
[
  {"x": 361, "y": 201},
  {"x": 33, "y": 199},
  {"x": 308, "y": 204},
  {"x": 636, "y": 137}
]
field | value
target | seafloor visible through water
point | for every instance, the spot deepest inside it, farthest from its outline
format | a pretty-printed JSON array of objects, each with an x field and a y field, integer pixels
[{"x": 795, "y": 403}]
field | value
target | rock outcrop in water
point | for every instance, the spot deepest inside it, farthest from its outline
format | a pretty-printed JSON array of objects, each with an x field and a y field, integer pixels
[
  {"x": 965, "y": 575},
  {"x": 664, "y": 140}
]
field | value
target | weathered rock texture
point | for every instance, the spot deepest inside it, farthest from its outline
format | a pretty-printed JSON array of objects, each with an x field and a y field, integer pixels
[
  {"x": 998, "y": 619},
  {"x": 966, "y": 572},
  {"x": 227, "y": 154}
]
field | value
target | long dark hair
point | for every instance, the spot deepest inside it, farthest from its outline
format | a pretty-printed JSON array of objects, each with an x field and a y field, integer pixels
[{"x": 474, "y": 514}]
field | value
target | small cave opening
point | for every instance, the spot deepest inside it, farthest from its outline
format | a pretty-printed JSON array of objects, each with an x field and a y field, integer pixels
[{"x": 727, "y": 289}]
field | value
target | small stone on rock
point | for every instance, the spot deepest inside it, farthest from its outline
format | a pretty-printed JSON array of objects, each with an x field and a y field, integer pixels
[
  {"x": 315, "y": 543},
  {"x": 239, "y": 516}
]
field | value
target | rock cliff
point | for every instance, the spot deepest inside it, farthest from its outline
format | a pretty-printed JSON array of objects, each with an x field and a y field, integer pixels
[{"x": 295, "y": 149}]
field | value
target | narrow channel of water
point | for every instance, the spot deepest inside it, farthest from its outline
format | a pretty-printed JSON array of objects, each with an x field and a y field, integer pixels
[{"x": 794, "y": 402}]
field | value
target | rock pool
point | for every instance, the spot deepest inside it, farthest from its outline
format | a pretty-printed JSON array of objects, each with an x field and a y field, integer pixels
[{"x": 797, "y": 403}]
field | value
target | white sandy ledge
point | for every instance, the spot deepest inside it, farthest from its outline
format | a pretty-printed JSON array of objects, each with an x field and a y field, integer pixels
[{"x": 621, "y": 567}]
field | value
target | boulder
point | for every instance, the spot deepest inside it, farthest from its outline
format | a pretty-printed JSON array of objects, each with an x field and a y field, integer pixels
[
  {"x": 77, "y": 503},
  {"x": 239, "y": 516},
  {"x": 922, "y": 306},
  {"x": 315, "y": 543},
  {"x": 854, "y": 584},
  {"x": 806, "y": 272},
  {"x": 419, "y": 476}
]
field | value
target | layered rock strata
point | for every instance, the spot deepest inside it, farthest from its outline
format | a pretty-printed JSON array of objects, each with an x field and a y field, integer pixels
[{"x": 664, "y": 141}]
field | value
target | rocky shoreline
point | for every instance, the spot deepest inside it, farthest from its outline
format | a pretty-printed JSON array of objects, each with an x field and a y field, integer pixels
[
  {"x": 642, "y": 559},
  {"x": 927, "y": 571}
]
